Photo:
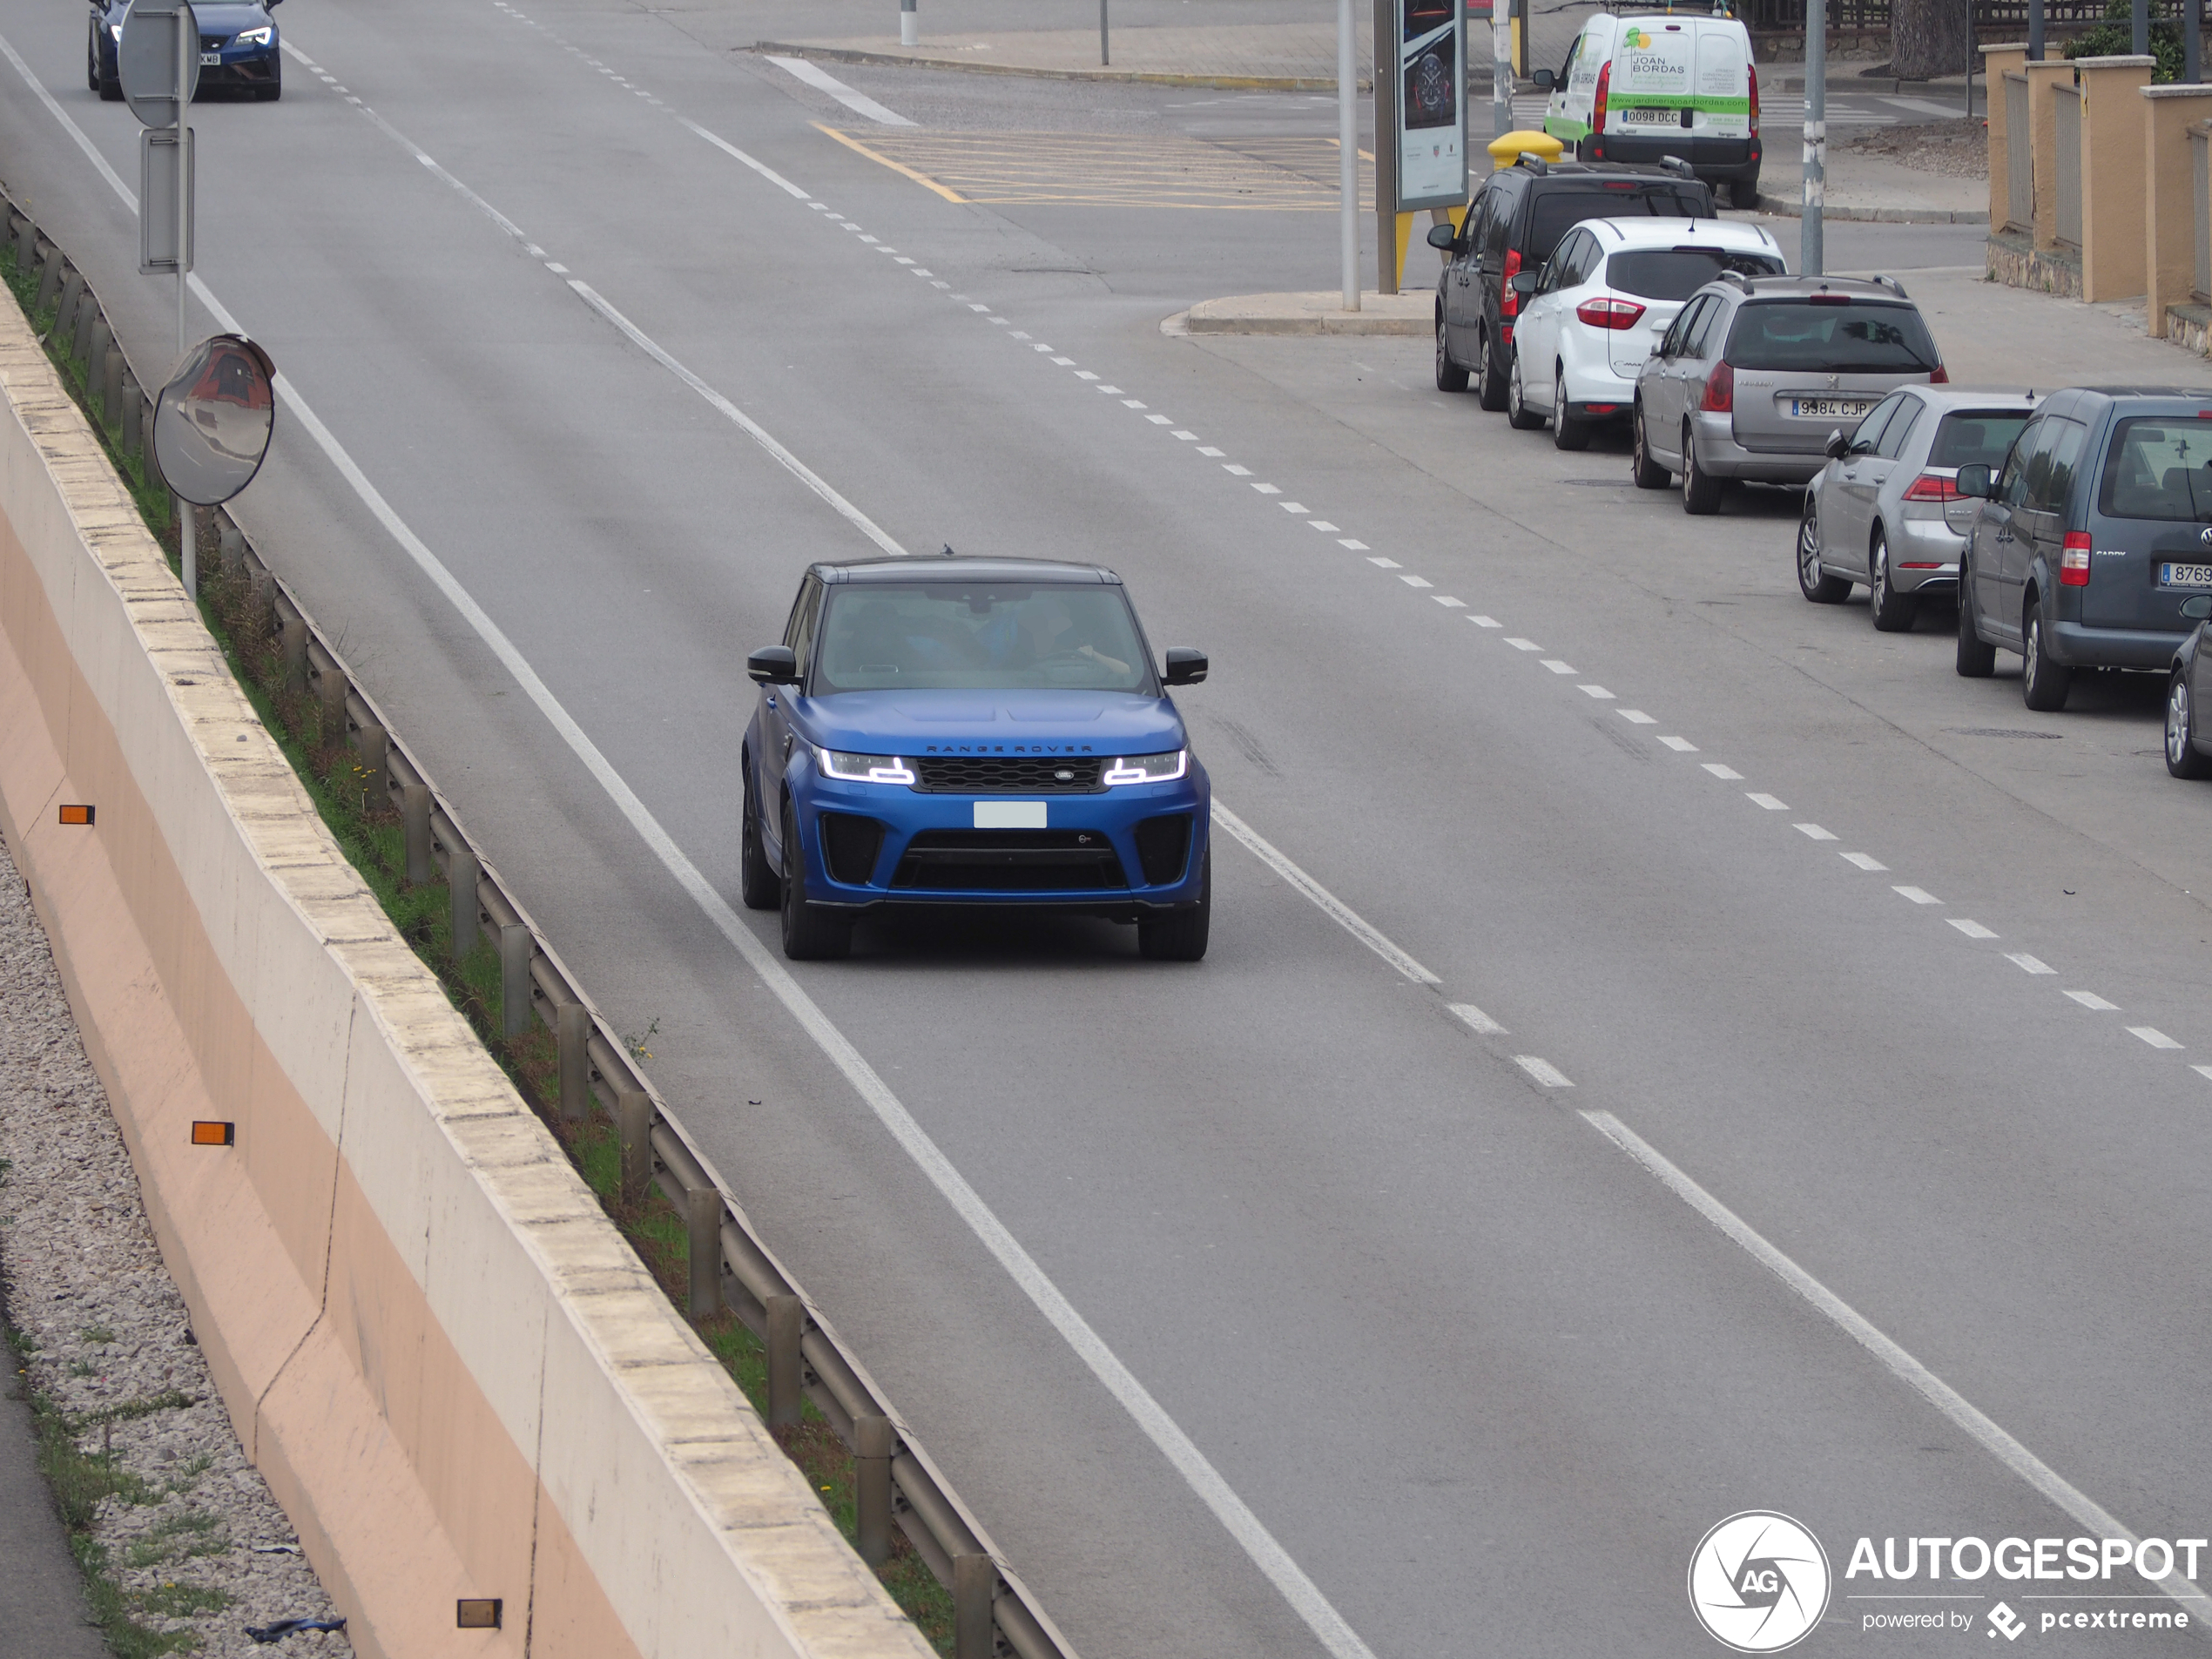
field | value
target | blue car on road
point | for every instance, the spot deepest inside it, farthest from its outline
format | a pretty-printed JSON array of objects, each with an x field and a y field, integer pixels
[
  {"x": 971, "y": 730},
  {"x": 238, "y": 48}
]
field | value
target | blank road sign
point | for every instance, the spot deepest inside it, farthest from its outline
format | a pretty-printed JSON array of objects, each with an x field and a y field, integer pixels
[
  {"x": 145, "y": 59},
  {"x": 157, "y": 218}
]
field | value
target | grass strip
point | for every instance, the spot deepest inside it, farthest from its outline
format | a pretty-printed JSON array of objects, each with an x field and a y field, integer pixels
[{"x": 373, "y": 841}]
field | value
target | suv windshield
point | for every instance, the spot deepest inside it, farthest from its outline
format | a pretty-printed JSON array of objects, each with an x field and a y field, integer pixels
[
  {"x": 1558, "y": 212},
  {"x": 1968, "y": 436},
  {"x": 1677, "y": 273},
  {"x": 1823, "y": 337},
  {"x": 2158, "y": 468},
  {"x": 954, "y": 636}
]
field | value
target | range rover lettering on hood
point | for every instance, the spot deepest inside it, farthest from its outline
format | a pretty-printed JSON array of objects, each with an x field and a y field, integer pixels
[{"x": 1007, "y": 749}]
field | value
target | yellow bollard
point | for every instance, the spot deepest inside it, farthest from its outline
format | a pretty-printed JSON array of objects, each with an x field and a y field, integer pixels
[{"x": 1509, "y": 148}]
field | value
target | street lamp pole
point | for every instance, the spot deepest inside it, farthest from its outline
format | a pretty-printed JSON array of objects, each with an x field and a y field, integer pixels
[{"x": 1812, "y": 256}]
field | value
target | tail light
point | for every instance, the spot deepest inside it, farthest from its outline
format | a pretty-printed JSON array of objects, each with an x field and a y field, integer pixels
[
  {"x": 1597, "y": 109},
  {"x": 2073, "y": 560},
  {"x": 1610, "y": 314},
  {"x": 1755, "y": 103},
  {"x": 1939, "y": 375},
  {"x": 1933, "y": 486},
  {"x": 1508, "y": 301},
  {"x": 1720, "y": 390}
]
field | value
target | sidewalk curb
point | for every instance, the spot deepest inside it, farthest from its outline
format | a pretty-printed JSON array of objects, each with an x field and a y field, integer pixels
[
  {"x": 1408, "y": 314},
  {"x": 1222, "y": 83},
  {"x": 1874, "y": 215}
]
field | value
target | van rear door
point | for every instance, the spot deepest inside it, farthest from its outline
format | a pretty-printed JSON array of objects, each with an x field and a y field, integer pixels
[
  {"x": 2150, "y": 521},
  {"x": 1722, "y": 101},
  {"x": 1655, "y": 70}
]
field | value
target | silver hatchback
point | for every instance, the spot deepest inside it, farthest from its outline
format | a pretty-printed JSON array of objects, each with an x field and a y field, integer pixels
[
  {"x": 1755, "y": 373},
  {"x": 1885, "y": 512}
]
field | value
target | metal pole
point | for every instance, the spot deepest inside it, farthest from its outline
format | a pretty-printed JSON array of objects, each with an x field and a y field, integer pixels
[
  {"x": 1103, "y": 60},
  {"x": 1501, "y": 73},
  {"x": 1388, "y": 60},
  {"x": 1972, "y": 58},
  {"x": 2192, "y": 47},
  {"x": 187, "y": 43},
  {"x": 1348, "y": 159},
  {"x": 2139, "y": 35},
  {"x": 2034, "y": 31},
  {"x": 1812, "y": 257}
]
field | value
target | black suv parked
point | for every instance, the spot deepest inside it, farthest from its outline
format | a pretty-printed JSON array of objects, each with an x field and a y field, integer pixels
[
  {"x": 1518, "y": 217},
  {"x": 2087, "y": 543}
]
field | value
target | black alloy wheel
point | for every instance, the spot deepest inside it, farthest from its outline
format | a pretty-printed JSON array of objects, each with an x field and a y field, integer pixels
[
  {"x": 1893, "y": 612},
  {"x": 1647, "y": 473},
  {"x": 812, "y": 933},
  {"x": 1701, "y": 494},
  {"x": 1450, "y": 377},
  {"x": 1179, "y": 935},
  {"x": 1814, "y": 583},
  {"x": 1519, "y": 415},
  {"x": 1977, "y": 657},
  {"x": 1489, "y": 373},
  {"x": 2044, "y": 680},
  {"x": 1567, "y": 432},
  {"x": 757, "y": 883}
]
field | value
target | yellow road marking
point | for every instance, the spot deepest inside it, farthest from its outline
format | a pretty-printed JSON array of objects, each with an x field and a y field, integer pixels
[{"x": 923, "y": 179}]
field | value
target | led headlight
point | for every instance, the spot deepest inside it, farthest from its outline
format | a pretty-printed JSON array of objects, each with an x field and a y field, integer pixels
[
  {"x": 259, "y": 36},
  {"x": 865, "y": 769},
  {"x": 115, "y": 32},
  {"x": 1149, "y": 769}
]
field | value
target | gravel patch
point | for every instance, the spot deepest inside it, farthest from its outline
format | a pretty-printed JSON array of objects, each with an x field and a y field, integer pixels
[
  {"x": 1957, "y": 148},
  {"x": 191, "y": 1537}
]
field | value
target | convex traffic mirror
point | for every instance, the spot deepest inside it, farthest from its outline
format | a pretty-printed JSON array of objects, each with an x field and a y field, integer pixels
[{"x": 212, "y": 421}]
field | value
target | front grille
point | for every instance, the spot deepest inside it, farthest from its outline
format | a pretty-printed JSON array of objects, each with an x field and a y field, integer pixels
[
  {"x": 1162, "y": 843},
  {"x": 849, "y": 846},
  {"x": 1010, "y": 861},
  {"x": 211, "y": 42},
  {"x": 1008, "y": 774}
]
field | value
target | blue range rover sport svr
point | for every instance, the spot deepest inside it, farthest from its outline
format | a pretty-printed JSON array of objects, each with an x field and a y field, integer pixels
[{"x": 968, "y": 730}]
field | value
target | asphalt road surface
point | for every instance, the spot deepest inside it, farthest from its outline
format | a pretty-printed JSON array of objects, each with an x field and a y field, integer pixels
[{"x": 1791, "y": 1180}]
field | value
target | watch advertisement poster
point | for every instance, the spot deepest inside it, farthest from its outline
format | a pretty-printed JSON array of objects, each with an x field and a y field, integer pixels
[{"x": 1432, "y": 105}]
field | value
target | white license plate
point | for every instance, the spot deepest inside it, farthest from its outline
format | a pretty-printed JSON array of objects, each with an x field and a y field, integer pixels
[
  {"x": 209, "y": 60},
  {"x": 1824, "y": 409},
  {"x": 1651, "y": 118},
  {"x": 2185, "y": 576},
  {"x": 1009, "y": 814}
]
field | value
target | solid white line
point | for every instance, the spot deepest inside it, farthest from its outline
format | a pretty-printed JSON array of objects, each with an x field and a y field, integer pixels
[
  {"x": 1918, "y": 896},
  {"x": 1901, "y": 1365},
  {"x": 1335, "y": 908},
  {"x": 799, "y": 69},
  {"x": 1863, "y": 860},
  {"x": 760, "y": 167},
  {"x": 2031, "y": 964},
  {"x": 1477, "y": 1020},
  {"x": 2153, "y": 1036},
  {"x": 1289, "y": 1579},
  {"x": 1543, "y": 1071},
  {"x": 2091, "y": 999},
  {"x": 1973, "y": 929}
]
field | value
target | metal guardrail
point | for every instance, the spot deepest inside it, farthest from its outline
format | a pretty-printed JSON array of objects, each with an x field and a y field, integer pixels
[
  {"x": 897, "y": 1483},
  {"x": 2020, "y": 158},
  {"x": 2065, "y": 108}
]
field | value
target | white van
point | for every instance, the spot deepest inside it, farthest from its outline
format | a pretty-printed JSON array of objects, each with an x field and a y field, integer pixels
[{"x": 1638, "y": 88}]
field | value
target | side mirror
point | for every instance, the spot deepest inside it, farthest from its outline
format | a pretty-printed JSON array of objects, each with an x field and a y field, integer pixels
[
  {"x": 1975, "y": 480},
  {"x": 1185, "y": 666},
  {"x": 2197, "y": 606},
  {"x": 1524, "y": 282},
  {"x": 1443, "y": 236},
  {"x": 1544, "y": 81},
  {"x": 1838, "y": 446},
  {"x": 773, "y": 665}
]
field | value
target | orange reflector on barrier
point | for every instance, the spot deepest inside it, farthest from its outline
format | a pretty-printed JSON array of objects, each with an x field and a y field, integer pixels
[
  {"x": 206, "y": 1134},
  {"x": 478, "y": 1615},
  {"x": 76, "y": 814}
]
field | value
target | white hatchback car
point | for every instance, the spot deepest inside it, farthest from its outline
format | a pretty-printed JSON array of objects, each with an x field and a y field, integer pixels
[{"x": 1591, "y": 316}]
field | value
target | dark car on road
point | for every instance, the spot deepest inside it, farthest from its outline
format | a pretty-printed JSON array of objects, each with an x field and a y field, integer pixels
[
  {"x": 1518, "y": 217},
  {"x": 963, "y": 732},
  {"x": 2088, "y": 543},
  {"x": 238, "y": 48}
]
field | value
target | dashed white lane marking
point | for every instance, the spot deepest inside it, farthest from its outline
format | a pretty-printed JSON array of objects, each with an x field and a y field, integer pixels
[
  {"x": 1203, "y": 448},
  {"x": 1814, "y": 831},
  {"x": 2091, "y": 999},
  {"x": 860, "y": 103},
  {"x": 1448, "y": 601},
  {"x": 1186, "y": 437},
  {"x": 1557, "y": 666},
  {"x": 1972, "y": 929},
  {"x": 1918, "y": 895},
  {"x": 2202, "y": 1071},
  {"x": 1636, "y": 717},
  {"x": 1597, "y": 691},
  {"x": 1767, "y": 802},
  {"x": 1416, "y": 581},
  {"x": 2028, "y": 964},
  {"x": 1477, "y": 1020},
  {"x": 1518, "y": 644},
  {"x": 1269, "y": 489},
  {"x": 1865, "y": 860},
  {"x": 1727, "y": 774},
  {"x": 1353, "y": 543},
  {"x": 1954, "y": 1406},
  {"x": 1085, "y": 374},
  {"x": 1063, "y": 362},
  {"x": 1486, "y": 622},
  {"x": 2153, "y": 1036},
  {"x": 1321, "y": 524},
  {"x": 1339, "y": 912},
  {"x": 1680, "y": 745},
  {"x": 1543, "y": 1071},
  {"x": 1381, "y": 563}
]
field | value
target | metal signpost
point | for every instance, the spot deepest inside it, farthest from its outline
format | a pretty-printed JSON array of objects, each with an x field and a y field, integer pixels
[
  {"x": 1420, "y": 120},
  {"x": 1812, "y": 257},
  {"x": 1348, "y": 154}
]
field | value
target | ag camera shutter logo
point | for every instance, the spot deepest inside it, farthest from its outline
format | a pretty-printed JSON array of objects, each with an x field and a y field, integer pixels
[{"x": 1758, "y": 1582}]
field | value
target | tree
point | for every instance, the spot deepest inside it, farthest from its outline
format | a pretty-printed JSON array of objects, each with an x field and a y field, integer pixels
[{"x": 1927, "y": 38}]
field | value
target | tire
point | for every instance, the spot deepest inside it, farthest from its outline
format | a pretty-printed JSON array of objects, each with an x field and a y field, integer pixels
[
  {"x": 1701, "y": 494},
  {"x": 2182, "y": 757},
  {"x": 2044, "y": 682},
  {"x": 1519, "y": 415},
  {"x": 1647, "y": 473},
  {"x": 1567, "y": 433},
  {"x": 1977, "y": 657},
  {"x": 1489, "y": 375},
  {"x": 812, "y": 933},
  {"x": 1179, "y": 935},
  {"x": 1815, "y": 583},
  {"x": 92, "y": 57},
  {"x": 757, "y": 882},
  {"x": 1450, "y": 377},
  {"x": 1893, "y": 612}
]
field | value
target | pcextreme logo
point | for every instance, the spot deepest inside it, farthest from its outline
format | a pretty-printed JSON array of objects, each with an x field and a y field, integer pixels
[{"x": 1758, "y": 1582}]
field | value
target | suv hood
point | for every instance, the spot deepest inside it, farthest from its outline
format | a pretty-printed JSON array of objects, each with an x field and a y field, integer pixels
[{"x": 920, "y": 723}]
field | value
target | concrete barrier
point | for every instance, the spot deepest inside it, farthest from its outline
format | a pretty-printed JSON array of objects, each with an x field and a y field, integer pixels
[{"x": 458, "y": 1379}]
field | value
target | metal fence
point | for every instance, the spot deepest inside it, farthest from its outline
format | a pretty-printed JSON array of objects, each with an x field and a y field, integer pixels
[
  {"x": 2020, "y": 158},
  {"x": 897, "y": 1484},
  {"x": 1867, "y": 16},
  {"x": 2065, "y": 108}
]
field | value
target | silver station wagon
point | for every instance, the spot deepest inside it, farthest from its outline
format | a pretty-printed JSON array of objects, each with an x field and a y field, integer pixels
[{"x": 1757, "y": 371}]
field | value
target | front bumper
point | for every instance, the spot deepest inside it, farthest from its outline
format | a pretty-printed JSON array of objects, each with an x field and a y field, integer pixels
[
  {"x": 1121, "y": 851},
  {"x": 1719, "y": 455},
  {"x": 241, "y": 70}
]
